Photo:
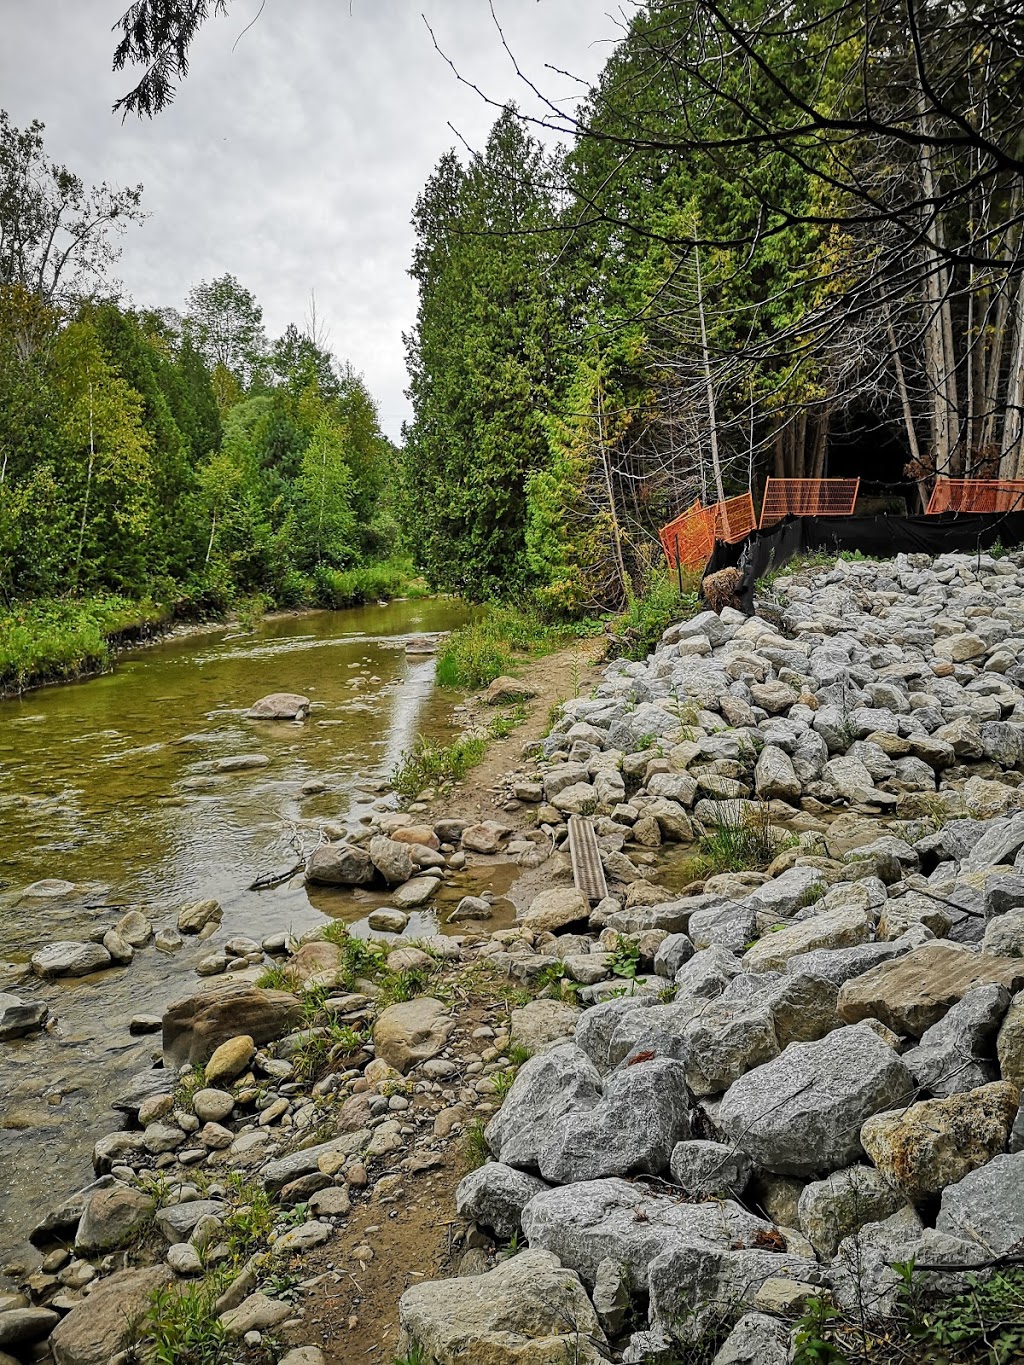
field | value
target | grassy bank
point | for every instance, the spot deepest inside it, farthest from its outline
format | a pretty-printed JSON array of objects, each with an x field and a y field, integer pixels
[
  {"x": 500, "y": 642},
  {"x": 64, "y": 638},
  {"x": 60, "y": 639}
]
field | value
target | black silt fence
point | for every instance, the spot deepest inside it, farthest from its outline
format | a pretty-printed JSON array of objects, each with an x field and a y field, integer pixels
[{"x": 878, "y": 537}]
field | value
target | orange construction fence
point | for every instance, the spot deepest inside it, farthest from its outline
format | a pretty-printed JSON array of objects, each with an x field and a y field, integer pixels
[
  {"x": 690, "y": 538},
  {"x": 976, "y": 495},
  {"x": 808, "y": 498}
]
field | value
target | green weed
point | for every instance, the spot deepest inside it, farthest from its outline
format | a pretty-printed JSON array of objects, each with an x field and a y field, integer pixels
[
  {"x": 477, "y": 1151},
  {"x": 651, "y": 611},
  {"x": 275, "y": 978},
  {"x": 428, "y": 764},
  {"x": 625, "y": 959},
  {"x": 183, "y": 1328}
]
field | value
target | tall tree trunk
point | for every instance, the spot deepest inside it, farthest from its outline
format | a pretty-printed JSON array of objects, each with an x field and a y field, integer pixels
[
  {"x": 939, "y": 352},
  {"x": 712, "y": 422},
  {"x": 1011, "y": 459}
]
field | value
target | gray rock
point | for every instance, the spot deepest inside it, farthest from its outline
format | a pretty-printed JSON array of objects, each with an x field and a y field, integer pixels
[
  {"x": 1004, "y": 934},
  {"x": 20, "y": 1327},
  {"x": 177, "y": 1221},
  {"x": 757, "y": 1339},
  {"x": 610, "y": 1296},
  {"x": 783, "y": 896},
  {"x": 644, "y": 1112},
  {"x": 19, "y": 1018},
  {"x": 495, "y": 1195},
  {"x": 724, "y": 1039},
  {"x": 958, "y": 1053},
  {"x": 112, "y": 1217},
  {"x": 697, "y": 1287},
  {"x": 199, "y": 915},
  {"x": 987, "y": 1206},
  {"x": 842, "y": 1203},
  {"x": 598, "y": 1029},
  {"x": 257, "y": 1313},
  {"x": 672, "y": 953},
  {"x": 731, "y": 926},
  {"x": 801, "y": 1113},
  {"x": 630, "y": 1223},
  {"x": 708, "y": 1170},
  {"x": 1001, "y": 842},
  {"x": 528, "y": 1308},
  {"x": 775, "y": 776},
  {"x": 70, "y": 959},
  {"x": 279, "y": 706},
  {"x": 1003, "y": 894},
  {"x": 393, "y": 860},
  {"x": 111, "y": 1315},
  {"x": 560, "y": 1081},
  {"x": 283, "y": 1170},
  {"x": 542, "y": 1024}
]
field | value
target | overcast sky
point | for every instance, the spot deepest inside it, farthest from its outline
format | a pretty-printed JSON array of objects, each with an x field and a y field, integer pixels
[{"x": 294, "y": 151}]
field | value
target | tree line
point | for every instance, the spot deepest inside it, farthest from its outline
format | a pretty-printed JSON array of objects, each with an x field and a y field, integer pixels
[
  {"x": 768, "y": 220},
  {"x": 177, "y": 454}
]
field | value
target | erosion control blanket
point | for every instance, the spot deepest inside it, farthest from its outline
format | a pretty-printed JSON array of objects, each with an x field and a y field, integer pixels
[{"x": 877, "y": 537}]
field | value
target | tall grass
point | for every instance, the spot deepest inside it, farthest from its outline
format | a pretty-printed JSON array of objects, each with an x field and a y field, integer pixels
[
  {"x": 335, "y": 588},
  {"x": 53, "y": 639},
  {"x": 498, "y": 642}
]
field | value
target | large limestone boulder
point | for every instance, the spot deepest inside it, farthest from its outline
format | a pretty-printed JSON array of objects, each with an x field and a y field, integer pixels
[
  {"x": 555, "y": 909},
  {"x": 1010, "y": 1042},
  {"x": 909, "y": 994},
  {"x": 527, "y": 1311},
  {"x": 195, "y": 1026},
  {"x": 801, "y": 1113},
  {"x": 106, "y": 1320},
  {"x": 631, "y": 1223},
  {"x": 340, "y": 865},
  {"x": 958, "y": 1053},
  {"x": 557, "y": 1082},
  {"x": 495, "y": 1195},
  {"x": 922, "y": 1149},
  {"x": 644, "y": 1112},
  {"x": 842, "y": 928},
  {"x": 775, "y": 776},
  {"x": 833, "y": 1208},
  {"x": 987, "y": 1206},
  {"x": 279, "y": 706},
  {"x": 412, "y": 1032}
]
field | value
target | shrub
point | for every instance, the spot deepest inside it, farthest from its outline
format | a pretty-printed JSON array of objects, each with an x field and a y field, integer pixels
[{"x": 651, "y": 611}]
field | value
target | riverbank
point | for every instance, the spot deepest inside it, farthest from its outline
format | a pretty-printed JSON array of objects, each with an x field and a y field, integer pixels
[
  {"x": 694, "y": 1095},
  {"x": 66, "y": 639}
]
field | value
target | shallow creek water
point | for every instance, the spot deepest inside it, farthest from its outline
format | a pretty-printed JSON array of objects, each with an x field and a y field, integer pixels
[{"x": 109, "y": 784}]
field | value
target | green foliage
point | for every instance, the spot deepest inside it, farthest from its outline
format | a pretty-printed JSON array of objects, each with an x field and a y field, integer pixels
[
  {"x": 477, "y": 1152},
  {"x": 354, "y": 587},
  {"x": 183, "y": 1328},
  {"x": 428, "y": 764},
  {"x": 748, "y": 843},
  {"x": 476, "y": 654},
  {"x": 625, "y": 959},
  {"x": 44, "y": 641},
  {"x": 649, "y": 614}
]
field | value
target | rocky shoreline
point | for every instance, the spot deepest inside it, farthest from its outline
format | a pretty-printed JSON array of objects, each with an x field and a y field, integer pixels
[{"x": 688, "y": 1112}]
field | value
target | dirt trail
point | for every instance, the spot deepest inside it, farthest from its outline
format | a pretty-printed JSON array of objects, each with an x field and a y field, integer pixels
[
  {"x": 555, "y": 678},
  {"x": 352, "y": 1304}
]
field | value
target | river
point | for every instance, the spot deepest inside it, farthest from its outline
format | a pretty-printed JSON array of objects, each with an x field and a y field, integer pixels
[{"x": 109, "y": 784}]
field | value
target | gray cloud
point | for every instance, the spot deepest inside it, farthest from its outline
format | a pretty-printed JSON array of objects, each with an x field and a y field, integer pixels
[{"x": 295, "y": 150}]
